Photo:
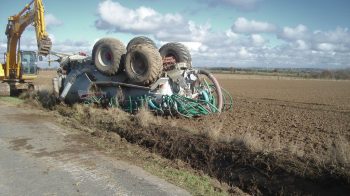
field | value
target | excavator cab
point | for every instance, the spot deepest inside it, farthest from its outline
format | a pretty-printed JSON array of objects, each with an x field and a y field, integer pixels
[{"x": 29, "y": 63}]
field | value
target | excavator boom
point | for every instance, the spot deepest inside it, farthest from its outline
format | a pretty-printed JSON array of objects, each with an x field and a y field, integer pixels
[{"x": 32, "y": 13}]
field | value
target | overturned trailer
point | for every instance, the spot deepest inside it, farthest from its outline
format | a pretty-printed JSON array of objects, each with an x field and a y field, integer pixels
[{"x": 140, "y": 75}]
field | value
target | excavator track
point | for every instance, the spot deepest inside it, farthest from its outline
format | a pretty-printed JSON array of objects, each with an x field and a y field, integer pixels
[{"x": 5, "y": 89}]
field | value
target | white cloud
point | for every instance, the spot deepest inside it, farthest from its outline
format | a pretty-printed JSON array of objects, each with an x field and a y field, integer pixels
[
  {"x": 29, "y": 43},
  {"x": 337, "y": 36},
  {"x": 326, "y": 46},
  {"x": 188, "y": 32},
  {"x": 257, "y": 39},
  {"x": 242, "y": 25},
  {"x": 72, "y": 46},
  {"x": 255, "y": 50},
  {"x": 229, "y": 33},
  {"x": 337, "y": 40},
  {"x": 195, "y": 46},
  {"x": 243, "y": 52},
  {"x": 301, "y": 45},
  {"x": 115, "y": 17},
  {"x": 51, "y": 20},
  {"x": 66, "y": 46},
  {"x": 112, "y": 16},
  {"x": 299, "y": 32}
]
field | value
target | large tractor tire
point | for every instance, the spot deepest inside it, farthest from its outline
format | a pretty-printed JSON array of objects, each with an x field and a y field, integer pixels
[
  {"x": 140, "y": 40},
  {"x": 178, "y": 51},
  {"x": 143, "y": 64},
  {"x": 108, "y": 55}
]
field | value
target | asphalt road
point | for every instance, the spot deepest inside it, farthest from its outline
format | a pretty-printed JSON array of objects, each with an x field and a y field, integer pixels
[{"x": 40, "y": 157}]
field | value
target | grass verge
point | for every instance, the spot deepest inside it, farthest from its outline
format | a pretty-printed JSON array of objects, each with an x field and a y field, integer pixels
[
  {"x": 177, "y": 172},
  {"x": 11, "y": 100}
]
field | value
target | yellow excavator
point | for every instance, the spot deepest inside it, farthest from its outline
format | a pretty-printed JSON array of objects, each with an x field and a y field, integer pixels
[{"x": 20, "y": 67}]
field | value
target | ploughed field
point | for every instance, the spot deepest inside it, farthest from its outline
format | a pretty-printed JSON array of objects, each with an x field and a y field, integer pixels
[
  {"x": 306, "y": 117},
  {"x": 282, "y": 136}
]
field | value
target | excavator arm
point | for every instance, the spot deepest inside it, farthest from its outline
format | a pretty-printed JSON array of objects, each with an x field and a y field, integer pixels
[
  {"x": 43, "y": 40},
  {"x": 32, "y": 13}
]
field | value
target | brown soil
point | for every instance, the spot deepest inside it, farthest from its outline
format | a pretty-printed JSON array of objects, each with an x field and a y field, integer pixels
[
  {"x": 282, "y": 136},
  {"x": 310, "y": 118},
  {"x": 44, "y": 79}
]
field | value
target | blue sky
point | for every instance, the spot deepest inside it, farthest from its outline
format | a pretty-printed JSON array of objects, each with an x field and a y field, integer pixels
[{"x": 239, "y": 33}]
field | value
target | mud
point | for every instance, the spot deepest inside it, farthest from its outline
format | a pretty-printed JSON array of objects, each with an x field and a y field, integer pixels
[{"x": 20, "y": 143}]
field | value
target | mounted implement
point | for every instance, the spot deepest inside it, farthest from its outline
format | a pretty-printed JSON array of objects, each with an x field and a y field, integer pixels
[
  {"x": 20, "y": 67},
  {"x": 139, "y": 76}
]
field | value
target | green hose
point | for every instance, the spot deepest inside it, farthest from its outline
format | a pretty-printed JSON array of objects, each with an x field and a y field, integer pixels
[{"x": 175, "y": 104}]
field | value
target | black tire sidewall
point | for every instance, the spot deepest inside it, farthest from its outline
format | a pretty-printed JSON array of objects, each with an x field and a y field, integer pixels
[
  {"x": 117, "y": 50},
  {"x": 140, "y": 40},
  {"x": 150, "y": 62},
  {"x": 178, "y": 50}
]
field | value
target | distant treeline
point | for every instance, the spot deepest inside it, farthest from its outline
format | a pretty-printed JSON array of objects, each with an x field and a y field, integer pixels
[
  {"x": 47, "y": 68},
  {"x": 315, "y": 73}
]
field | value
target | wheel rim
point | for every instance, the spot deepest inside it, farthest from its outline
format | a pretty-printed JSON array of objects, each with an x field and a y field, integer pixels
[
  {"x": 214, "y": 90},
  {"x": 139, "y": 64},
  {"x": 105, "y": 57}
]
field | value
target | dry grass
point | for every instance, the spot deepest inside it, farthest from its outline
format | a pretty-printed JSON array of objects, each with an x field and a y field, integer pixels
[
  {"x": 297, "y": 149},
  {"x": 213, "y": 130},
  {"x": 97, "y": 116},
  {"x": 340, "y": 151},
  {"x": 252, "y": 142},
  {"x": 42, "y": 98},
  {"x": 337, "y": 154},
  {"x": 145, "y": 118}
]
